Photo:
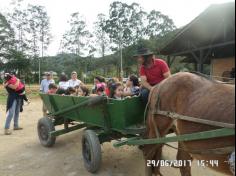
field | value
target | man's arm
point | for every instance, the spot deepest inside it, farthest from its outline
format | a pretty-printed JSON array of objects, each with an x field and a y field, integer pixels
[
  {"x": 125, "y": 94},
  {"x": 144, "y": 83},
  {"x": 167, "y": 74}
]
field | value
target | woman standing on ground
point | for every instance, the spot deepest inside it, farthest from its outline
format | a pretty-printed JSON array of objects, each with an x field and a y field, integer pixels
[{"x": 13, "y": 107}]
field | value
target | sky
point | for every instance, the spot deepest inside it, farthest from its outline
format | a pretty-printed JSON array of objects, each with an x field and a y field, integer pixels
[{"x": 59, "y": 11}]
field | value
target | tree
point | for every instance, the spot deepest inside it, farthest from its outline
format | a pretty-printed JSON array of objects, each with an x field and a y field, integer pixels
[
  {"x": 11, "y": 50},
  {"x": 44, "y": 29},
  {"x": 137, "y": 22},
  {"x": 39, "y": 30},
  {"x": 76, "y": 39},
  {"x": 126, "y": 23},
  {"x": 20, "y": 25},
  {"x": 33, "y": 30},
  {"x": 39, "y": 24},
  {"x": 158, "y": 24},
  {"x": 18, "y": 62},
  {"x": 117, "y": 26},
  {"x": 102, "y": 39},
  {"x": 6, "y": 37}
]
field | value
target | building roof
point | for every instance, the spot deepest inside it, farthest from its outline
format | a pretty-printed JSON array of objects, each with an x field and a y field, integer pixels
[{"x": 212, "y": 29}]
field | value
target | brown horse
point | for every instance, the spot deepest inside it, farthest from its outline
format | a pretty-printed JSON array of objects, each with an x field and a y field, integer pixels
[{"x": 195, "y": 96}]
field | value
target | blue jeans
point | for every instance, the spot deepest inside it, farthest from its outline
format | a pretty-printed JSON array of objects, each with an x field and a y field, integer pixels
[
  {"x": 144, "y": 95},
  {"x": 13, "y": 112}
]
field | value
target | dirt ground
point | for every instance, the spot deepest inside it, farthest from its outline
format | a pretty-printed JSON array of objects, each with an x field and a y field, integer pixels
[{"x": 22, "y": 155}]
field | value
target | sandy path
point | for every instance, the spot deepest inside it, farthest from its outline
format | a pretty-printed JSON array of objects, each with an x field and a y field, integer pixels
[{"x": 22, "y": 155}]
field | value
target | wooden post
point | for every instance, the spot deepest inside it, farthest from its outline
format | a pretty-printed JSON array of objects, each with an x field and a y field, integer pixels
[
  {"x": 197, "y": 65},
  {"x": 201, "y": 62},
  {"x": 168, "y": 60}
]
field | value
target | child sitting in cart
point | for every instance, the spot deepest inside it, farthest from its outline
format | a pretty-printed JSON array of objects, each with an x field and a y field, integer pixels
[
  {"x": 116, "y": 91},
  {"x": 110, "y": 82},
  {"x": 71, "y": 91},
  {"x": 132, "y": 86},
  {"x": 100, "y": 89},
  {"x": 82, "y": 91},
  {"x": 52, "y": 88},
  {"x": 98, "y": 80}
]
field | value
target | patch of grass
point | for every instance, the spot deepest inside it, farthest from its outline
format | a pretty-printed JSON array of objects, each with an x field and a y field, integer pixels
[
  {"x": 3, "y": 99},
  {"x": 3, "y": 96}
]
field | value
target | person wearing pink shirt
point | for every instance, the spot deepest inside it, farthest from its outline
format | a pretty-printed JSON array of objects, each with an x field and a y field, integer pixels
[{"x": 11, "y": 79}]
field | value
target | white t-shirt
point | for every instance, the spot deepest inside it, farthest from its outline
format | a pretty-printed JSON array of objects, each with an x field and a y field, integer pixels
[
  {"x": 73, "y": 83},
  {"x": 64, "y": 84}
]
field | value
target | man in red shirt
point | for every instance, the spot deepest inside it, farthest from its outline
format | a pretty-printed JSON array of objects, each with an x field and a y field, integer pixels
[{"x": 152, "y": 71}]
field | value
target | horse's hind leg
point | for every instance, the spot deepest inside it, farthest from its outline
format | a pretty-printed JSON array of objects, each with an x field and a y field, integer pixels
[
  {"x": 148, "y": 171},
  {"x": 185, "y": 169},
  {"x": 152, "y": 152},
  {"x": 158, "y": 157}
]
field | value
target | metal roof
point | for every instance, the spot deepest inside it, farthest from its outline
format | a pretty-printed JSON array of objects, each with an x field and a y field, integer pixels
[{"x": 214, "y": 28}]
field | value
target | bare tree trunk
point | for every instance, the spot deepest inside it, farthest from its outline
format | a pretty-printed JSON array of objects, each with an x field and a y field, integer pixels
[{"x": 103, "y": 50}]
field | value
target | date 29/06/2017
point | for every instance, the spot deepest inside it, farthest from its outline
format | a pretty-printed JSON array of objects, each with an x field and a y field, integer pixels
[{"x": 182, "y": 163}]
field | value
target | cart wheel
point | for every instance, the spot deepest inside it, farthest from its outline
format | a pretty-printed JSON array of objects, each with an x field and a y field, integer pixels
[
  {"x": 45, "y": 126},
  {"x": 91, "y": 151}
]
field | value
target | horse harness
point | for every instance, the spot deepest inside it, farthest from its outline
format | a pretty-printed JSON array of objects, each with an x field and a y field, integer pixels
[{"x": 176, "y": 116}]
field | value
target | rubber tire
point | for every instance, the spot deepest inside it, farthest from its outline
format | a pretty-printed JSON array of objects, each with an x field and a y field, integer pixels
[
  {"x": 92, "y": 141},
  {"x": 46, "y": 123}
]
